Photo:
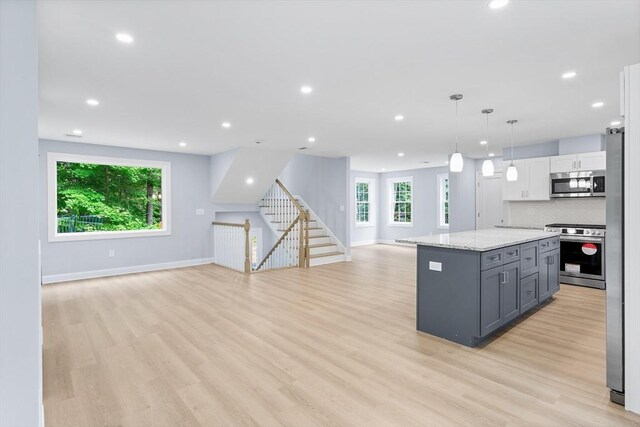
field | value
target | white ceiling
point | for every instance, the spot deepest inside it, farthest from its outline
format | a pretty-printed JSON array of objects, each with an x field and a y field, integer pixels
[{"x": 195, "y": 64}]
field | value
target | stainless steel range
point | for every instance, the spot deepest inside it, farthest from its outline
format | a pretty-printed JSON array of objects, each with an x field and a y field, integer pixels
[{"x": 582, "y": 249}]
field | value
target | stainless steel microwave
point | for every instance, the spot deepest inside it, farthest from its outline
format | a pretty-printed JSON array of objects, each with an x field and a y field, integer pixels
[{"x": 578, "y": 184}]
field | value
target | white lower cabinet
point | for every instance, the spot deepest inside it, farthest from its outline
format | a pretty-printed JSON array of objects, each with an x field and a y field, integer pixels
[{"x": 532, "y": 183}]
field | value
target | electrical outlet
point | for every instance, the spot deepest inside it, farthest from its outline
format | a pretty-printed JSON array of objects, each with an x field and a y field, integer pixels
[
  {"x": 112, "y": 252},
  {"x": 199, "y": 211}
]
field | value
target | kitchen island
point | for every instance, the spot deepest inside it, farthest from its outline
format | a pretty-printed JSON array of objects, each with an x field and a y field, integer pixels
[{"x": 470, "y": 284}]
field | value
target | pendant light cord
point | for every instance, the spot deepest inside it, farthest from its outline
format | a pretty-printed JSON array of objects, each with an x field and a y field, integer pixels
[
  {"x": 487, "y": 134},
  {"x": 511, "y": 143},
  {"x": 456, "y": 126}
]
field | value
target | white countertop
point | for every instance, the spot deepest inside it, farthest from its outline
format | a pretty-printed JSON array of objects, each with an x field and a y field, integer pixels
[{"x": 480, "y": 240}]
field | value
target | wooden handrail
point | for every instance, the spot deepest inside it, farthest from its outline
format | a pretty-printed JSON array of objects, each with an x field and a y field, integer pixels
[
  {"x": 293, "y": 200},
  {"x": 286, "y": 232},
  {"x": 228, "y": 224}
]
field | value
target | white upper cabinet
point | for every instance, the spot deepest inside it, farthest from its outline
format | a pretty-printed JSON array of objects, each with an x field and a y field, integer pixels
[
  {"x": 538, "y": 179},
  {"x": 532, "y": 183},
  {"x": 579, "y": 162}
]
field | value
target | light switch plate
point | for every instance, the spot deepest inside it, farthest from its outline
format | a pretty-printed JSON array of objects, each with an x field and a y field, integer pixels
[
  {"x": 435, "y": 266},
  {"x": 112, "y": 252},
  {"x": 199, "y": 211},
  {"x": 341, "y": 208}
]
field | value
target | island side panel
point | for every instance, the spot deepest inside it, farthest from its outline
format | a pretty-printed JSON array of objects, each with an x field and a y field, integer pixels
[{"x": 448, "y": 301}]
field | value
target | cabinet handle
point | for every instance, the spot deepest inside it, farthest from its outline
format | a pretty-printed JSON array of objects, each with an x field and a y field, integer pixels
[
  {"x": 502, "y": 278},
  {"x": 574, "y": 164},
  {"x": 506, "y": 276},
  {"x": 529, "y": 292},
  {"x": 527, "y": 193},
  {"x": 529, "y": 258},
  {"x": 494, "y": 258},
  {"x": 511, "y": 253},
  {"x": 579, "y": 164}
]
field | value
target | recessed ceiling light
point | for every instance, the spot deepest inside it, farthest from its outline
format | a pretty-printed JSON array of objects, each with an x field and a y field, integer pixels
[
  {"x": 491, "y": 154},
  {"x": 483, "y": 142},
  {"x": 93, "y": 102},
  {"x": 384, "y": 169},
  {"x": 182, "y": 144},
  {"x": 597, "y": 104},
  {"x": 446, "y": 162},
  {"x": 497, "y": 4},
  {"x": 398, "y": 118},
  {"x": 306, "y": 89},
  {"x": 569, "y": 75},
  {"x": 400, "y": 154},
  {"x": 311, "y": 139},
  {"x": 124, "y": 38},
  {"x": 226, "y": 125},
  {"x": 77, "y": 132},
  {"x": 615, "y": 123},
  {"x": 249, "y": 181}
]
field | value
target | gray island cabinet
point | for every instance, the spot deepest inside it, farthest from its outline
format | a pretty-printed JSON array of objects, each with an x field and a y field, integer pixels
[{"x": 474, "y": 282}]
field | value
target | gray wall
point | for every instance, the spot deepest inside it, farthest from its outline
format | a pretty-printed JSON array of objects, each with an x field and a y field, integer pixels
[
  {"x": 323, "y": 183},
  {"x": 573, "y": 145},
  {"x": 191, "y": 233},
  {"x": 367, "y": 234},
  {"x": 425, "y": 204},
  {"x": 20, "y": 319}
]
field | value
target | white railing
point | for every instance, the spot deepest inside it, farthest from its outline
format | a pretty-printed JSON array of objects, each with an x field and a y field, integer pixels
[
  {"x": 292, "y": 225},
  {"x": 231, "y": 245}
]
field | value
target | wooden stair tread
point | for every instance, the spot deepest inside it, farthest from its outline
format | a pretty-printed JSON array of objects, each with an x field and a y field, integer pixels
[
  {"x": 322, "y": 245},
  {"x": 325, "y": 254}
]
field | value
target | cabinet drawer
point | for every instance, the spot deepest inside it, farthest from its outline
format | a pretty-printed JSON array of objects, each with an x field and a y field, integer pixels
[
  {"x": 550, "y": 244},
  {"x": 528, "y": 292},
  {"x": 511, "y": 254},
  {"x": 492, "y": 259},
  {"x": 529, "y": 259}
]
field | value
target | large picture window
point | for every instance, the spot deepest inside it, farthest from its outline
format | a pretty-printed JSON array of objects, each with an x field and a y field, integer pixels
[
  {"x": 443, "y": 201},
  {"x": 364, "y": 197},
  {"x": 100, "y": 197},
  {"x": 401, "y": 201}
]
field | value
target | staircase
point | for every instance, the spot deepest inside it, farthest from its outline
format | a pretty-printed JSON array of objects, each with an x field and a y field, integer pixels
[{"x": 280, "y": 212}]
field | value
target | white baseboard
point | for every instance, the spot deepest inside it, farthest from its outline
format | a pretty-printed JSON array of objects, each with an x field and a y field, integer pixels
[
  {"x": 393, "y": 242},
  {"x": 363, "y": 243},
  {"x": 56, "y": 278}
]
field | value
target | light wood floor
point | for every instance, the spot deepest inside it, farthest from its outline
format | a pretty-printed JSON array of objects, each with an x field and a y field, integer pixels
[{"x": 329, "y": 346}]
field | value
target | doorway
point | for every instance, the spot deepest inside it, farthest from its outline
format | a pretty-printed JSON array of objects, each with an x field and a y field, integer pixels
[{"x": 489, "y": 202}]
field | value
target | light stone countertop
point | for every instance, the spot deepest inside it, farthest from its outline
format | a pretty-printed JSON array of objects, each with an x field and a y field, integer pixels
[{"x": 480, "y": 240}]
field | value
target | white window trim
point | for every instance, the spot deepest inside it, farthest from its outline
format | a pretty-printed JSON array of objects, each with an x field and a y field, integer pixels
[
  {"x": 372, "y": 202},
  {"x": 52, "y": 188},
  {"x": 391, "y": 201},
  {"x": 440, "y": 191}
]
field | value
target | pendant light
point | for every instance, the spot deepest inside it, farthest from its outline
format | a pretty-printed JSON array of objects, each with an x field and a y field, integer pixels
[
  {"x": 512, "y": 172},
  {"x": 457, "y": 162},
  {"x": 487, "y": 165}
]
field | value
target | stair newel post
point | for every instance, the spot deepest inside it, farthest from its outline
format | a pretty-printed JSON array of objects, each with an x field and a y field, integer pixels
[
  {"x": 306, "y": 238},
  {"x": 247, "y": 253},
  {"x": 301, "y": 250}
]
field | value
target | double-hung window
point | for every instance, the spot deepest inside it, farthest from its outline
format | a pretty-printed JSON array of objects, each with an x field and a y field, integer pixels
[
  {"x": 401, "y": 201},
  {"x": 443, "y": 200},
  {"x": 364, "y": 202},
  {"x": 102, "y": 197}
]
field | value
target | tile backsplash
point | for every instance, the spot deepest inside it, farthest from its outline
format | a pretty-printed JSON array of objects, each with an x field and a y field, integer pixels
[{"x": 586, "y": 210}]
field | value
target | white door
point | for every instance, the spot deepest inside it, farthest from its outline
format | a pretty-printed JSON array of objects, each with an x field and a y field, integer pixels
[
  {"x": 514, "y": 190},
  {"x": 489, "y": 203},
  {"x": 592, "y": 161},
  {"x": 538, "y": 179},
  {"x": 566, "y": 163}
]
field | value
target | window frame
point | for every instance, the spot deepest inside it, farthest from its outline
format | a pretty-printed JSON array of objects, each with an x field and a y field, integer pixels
[
  {"x": 52, "y": 202},
  {"x": 372, "y": 202},
  {"x": 391, "y": 201},
  {"x": 441, "y": 200}
]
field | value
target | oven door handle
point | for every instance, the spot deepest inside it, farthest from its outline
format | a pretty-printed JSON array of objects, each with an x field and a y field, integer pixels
[{"x": 582, "y": 239}]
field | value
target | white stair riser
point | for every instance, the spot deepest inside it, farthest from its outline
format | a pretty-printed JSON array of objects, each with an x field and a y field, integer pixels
[
  {"x": 319, "y": 240},
  {"x": 323, "y": 249},
  {"x": 326, "y": 260},
  {"x": 318, "y": 232}
]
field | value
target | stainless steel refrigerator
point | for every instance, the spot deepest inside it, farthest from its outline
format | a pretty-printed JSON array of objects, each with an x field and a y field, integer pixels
[{"x": 614, "y": 259}]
